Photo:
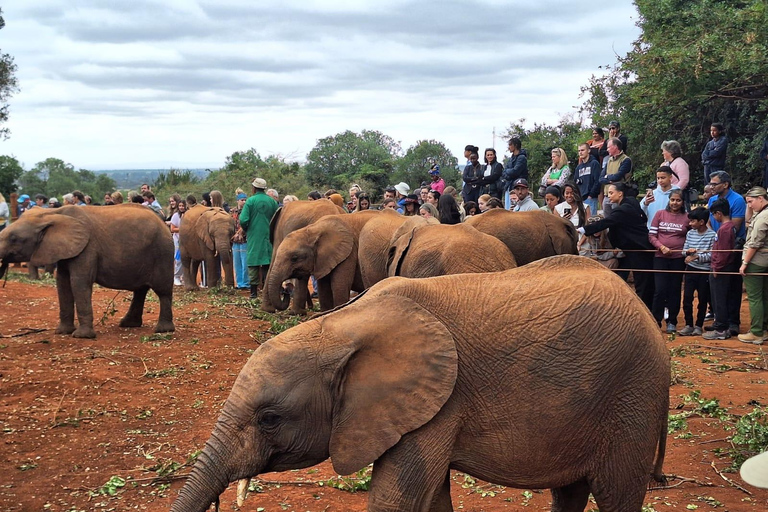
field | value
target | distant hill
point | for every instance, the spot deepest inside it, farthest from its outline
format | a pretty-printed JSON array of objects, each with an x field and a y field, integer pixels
[{"x": 133, "y": 178}]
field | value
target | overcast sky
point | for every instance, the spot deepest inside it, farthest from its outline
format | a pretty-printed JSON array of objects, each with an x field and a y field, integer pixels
[{"x": 184, "y": 83}]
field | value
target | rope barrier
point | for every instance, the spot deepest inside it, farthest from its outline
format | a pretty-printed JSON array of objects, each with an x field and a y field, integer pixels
[{"x": 652, "y": 271}]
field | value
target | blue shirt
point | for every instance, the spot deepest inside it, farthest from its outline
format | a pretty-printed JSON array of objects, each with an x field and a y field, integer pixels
[{"x": 738, "y": 211}]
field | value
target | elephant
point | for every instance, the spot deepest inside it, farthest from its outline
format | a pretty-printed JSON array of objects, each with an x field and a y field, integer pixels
[
  {"x": 518, "y": 388},
  {"x": 327, "y": 249},
  {"x": 288, "y": 218},
  {"x": 33, "y": 272},
  {"x": 206, "y": 233},
  {"x": 125, "y": 247},
  {"x": 528, "y": 235},
  {"x": 375, "y": 240},
  {"x": 427, "y": 251}
]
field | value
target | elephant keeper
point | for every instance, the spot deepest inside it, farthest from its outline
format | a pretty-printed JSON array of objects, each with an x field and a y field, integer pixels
[{"x": 254, "y": 219}]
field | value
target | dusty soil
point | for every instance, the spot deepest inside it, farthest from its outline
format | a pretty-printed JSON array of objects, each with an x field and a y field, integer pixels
[{"x": 134, "y": 407}]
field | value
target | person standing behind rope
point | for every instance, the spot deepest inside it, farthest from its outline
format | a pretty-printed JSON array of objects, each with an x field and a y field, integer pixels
[
  {"x": 254, "y": 219},
  {"x": 754, "y": 266},
  {"x": 723, "y": 264}
]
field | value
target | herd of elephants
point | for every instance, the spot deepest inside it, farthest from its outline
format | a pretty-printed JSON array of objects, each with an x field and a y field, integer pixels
[{"x": 483, "y": 356}]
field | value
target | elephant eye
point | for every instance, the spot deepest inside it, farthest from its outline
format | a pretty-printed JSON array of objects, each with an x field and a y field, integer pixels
[
  {"x": 294, "y": 258},
  {"x": 269, "y": 420}
]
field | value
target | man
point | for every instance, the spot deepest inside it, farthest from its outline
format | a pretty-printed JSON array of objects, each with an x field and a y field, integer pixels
[
  {"x": 658, "y": 198},
  {"x": 588, "y": 177},
  {"x": 721, "y": 189},
  {"x": 525, "y": 202},
  {"x": 149, "y": 202},
  {"x": 144, "y": 188},
  {"x": 618, "y": 168},
  {"x": 41, "y": 201},
  {"x": 614, "y": 130},
  {"x": 254, "y": 219},
  {"x": 713, "y": 156},
  {"x": 402, "y": 190},
  {"x": 23, "y": 203},
  {"x": 515, "y": 168},
  {"x": 274, "y": 195}
]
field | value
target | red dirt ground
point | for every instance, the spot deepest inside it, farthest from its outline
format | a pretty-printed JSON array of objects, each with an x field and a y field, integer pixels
[{"x": 76, "y": 413}]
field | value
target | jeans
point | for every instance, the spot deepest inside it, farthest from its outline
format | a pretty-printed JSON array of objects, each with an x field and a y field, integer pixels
[
  {"x": 667, "y": 288},
  {"x": 592, "y": 203},
  {"x": 757, "y": 295},
  {"x": 696, "y": 281},
  {"x": 240, "y": 256}
]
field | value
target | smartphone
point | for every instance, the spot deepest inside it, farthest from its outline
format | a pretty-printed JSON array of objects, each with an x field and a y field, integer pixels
[{"x": 567, "y": 211}]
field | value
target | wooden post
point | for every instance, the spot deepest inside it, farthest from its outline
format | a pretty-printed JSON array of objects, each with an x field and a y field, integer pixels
[{"x": 13, "y": 205}]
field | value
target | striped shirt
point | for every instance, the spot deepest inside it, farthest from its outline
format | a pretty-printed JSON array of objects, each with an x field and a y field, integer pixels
[{"x": 702, "y": 242}]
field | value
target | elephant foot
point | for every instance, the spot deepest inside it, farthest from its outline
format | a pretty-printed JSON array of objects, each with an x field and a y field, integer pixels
[
  {"x": 300, "y": 312},
  {"x": 130, "y": 322},
  {"x": 165, "y": 326},
  {"x": 65, "y": 329},
  {"x": 84, "y": 332},
  {"x": 269, "y": 308},
  {"x": 190, "y": 288}
]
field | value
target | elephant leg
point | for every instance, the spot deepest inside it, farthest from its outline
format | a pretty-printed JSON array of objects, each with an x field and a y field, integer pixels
[
  {"x": 82, "y": 290},
  {"x": 32, "y": 272},
  {"x": 301, "y": 297},
  {"x": 133, "y": 318},
  {"x": 211, "y": 274},
  {"x": 325, "y": 293},
  {"x": 570, "y": 498},
  {"x": 442, "y": 500},
  {"x": 342, "y": 280},
  {"x": 621, "y": 482},
  {"x": 66, "y": 303},
  {"x": 165, "y": 322},
  {"x": 189, "y": 274}
]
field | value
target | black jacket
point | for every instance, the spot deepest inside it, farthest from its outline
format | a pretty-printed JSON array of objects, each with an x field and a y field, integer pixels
[
  {"x": 491, "y": 184},
  {"x": 516, "y": 167},
  {"x": 628, "y": 226}
]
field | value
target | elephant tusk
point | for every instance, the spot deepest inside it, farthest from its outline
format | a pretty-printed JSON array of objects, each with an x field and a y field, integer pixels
[{"x": 242, "y": 491}]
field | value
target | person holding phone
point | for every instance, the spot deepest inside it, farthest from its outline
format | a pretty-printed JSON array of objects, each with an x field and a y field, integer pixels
[{"x": 573, "y": 207}]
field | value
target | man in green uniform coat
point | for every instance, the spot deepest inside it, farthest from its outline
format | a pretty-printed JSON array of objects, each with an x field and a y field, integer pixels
[{"x": 254, "y": 219}]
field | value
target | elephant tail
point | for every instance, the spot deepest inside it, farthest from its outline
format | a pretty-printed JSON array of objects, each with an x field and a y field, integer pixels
[{"x": 658, "y": 473}]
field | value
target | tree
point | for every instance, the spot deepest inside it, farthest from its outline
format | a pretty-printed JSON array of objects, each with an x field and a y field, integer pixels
[
  {"x": 413, "y": 167},
  {"x": 10, "y": 171},
  {"x": 348, "y": 157},
  {"x": 694, "y": 63},
  {"x": 8, "y": 84},
  {"x": 540, "y": 140},
  {"x": 53, "y": 178}
]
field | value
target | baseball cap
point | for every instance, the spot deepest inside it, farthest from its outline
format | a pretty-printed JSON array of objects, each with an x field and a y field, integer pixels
[
  {"x": 520, "y": 182},
  {"x": 22, "y": 198}
]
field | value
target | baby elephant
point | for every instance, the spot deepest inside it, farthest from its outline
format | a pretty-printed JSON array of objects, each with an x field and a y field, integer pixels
[
  {"x": 125, "y": 247},
  {"x": 508, "y": 383}
]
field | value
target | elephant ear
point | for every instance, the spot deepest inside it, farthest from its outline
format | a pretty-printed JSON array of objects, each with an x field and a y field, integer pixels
[
  {"x": 386, "y": 387},
  {"x": 273, "y": 224},
  {"x": 202, "y": 229},
  {"x": 61, "y": 237},
  {"x": 333, "y": 242},
  {"x": 397, "y": 252}
]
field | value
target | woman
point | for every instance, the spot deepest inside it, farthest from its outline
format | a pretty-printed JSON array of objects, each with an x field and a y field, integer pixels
[
  {"x": 628, "y": 231},
  {"x": 573, "y": 207},
  {"x": 437, "y": 182},
  {"x": 216, "y": 199},
  {"x": 448, "y": 210},
  {"x": 552, "y": 197},
  {"x": 667, "y": 234},
  {"x": 117, "y": 197},
  {"x": 482, "y": 203},
  {"x": 494, "y": 202},
  {"x": 174, "y": 223},
  {"x": 363, "y": 202},
  {"x": 470, "y": 209},
  {"x": 597, "y": 247},
  {"x": 314, "y": 195},
  {"x": 596, "y": 144},
  {"x": 468, "y": 150},
  {"x": 557, "y": 173},
  {"x": 433, "y": 197},
  {"x": 472, "y": 177},
  {"x": 491, "y": 174},
  {"x": 173, "y": 203},
  {"x": 289, "y": 199},
  {"x": 5, "y": 213},
  {"x": 754, "y": 260},
  {"x": 428, "y": 211},
  {"x": 673, "y": 157},
  {"x": 240, "y": 244},
  {"x": 411, "y": 206}
]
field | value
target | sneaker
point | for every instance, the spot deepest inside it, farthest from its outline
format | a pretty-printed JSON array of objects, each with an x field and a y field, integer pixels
[
  {"x": 686, "y": 331},
  {"x": 751, "y": 338},
  {"x": 671, "y": 328},
  {"x": 709, "y": 327},
  {"x": 697, "y": 331},
  {"x": 716, "y": 335},
  {"x": 709, "y": 316},
  {"x": 176, "y": 281},
  {"x": 734, "y": 330}
]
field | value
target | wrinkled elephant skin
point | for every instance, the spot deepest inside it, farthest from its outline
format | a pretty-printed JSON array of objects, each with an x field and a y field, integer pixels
[{"x": 504, "y": 382}]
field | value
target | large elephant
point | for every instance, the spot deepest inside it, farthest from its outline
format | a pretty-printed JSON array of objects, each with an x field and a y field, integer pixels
[
  {"x": 206, "y": 233},
  {"x": 373, "y": 245},
  {"x": 290, "y": 217},
  {"x": 530, "y": 236},
  {"x": 519, "y": 388},
  {"x": 327, "y": 249},
  {"x": 124, "y": 247},
  {"x": 427, "y": 251}
]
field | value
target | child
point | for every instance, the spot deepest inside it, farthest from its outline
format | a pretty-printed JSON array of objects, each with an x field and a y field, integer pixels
[
  {"x": 698, "y": 242},
  {"x": 597, "y": 247},
  {"x": 725, "y": 240}
]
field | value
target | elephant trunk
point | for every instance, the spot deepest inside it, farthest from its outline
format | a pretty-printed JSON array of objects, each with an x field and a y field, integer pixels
[
  {"x": 275, "y": 280},
  {"x": 3, "y": 269}
]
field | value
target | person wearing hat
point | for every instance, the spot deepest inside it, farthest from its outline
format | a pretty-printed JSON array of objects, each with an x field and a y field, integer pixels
[
  {"x": 23, "y": 203},
  {"x": 438, "y": 183},
  {"x": 411, "y": 205},
  {"x": 754, "y": 471},
  {"x": 254, "y": 220},
  {"x": 754, "y": 265},
  {"x": 525, "y": 202},
  {"x": 239, "y": 243},
  {"x": 402, "y": 190}
]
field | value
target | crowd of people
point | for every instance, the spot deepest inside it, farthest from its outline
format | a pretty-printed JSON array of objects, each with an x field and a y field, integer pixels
[{"x": 674, "y": 251}]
